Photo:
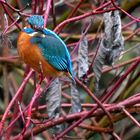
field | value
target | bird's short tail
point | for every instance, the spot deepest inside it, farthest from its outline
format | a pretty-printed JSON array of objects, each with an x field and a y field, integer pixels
[{"x": 71, "y": 76}]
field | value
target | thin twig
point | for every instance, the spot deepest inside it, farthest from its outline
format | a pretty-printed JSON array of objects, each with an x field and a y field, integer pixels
[
  {"x": 96, "y": 11},
  {"x": 13, "y": 100},
  {"x": 131, "y": 117},
  {"x": 130, "y": 16},
  {"x": 117, "y": 84},
  {"x": 46, "y": 15},
  {"x": 36, "y": 94},
  {"x": 116, "y": 136}
]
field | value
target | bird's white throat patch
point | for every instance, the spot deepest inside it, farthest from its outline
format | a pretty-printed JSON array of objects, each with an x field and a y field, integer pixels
[{"x": 37, "y": 34}]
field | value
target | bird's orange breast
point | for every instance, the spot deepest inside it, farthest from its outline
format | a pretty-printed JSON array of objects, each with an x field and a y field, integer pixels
[{"x": 32, "y": 56}]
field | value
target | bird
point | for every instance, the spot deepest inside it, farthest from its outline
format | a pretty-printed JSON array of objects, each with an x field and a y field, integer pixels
[{"x": 43, "y": 50}]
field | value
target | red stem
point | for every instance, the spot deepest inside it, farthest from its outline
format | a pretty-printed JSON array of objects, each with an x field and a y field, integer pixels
[
  {"x": 131, "y": 35},
  {"x": 34, "y": 6},
  {"x": 75, "y": 9},
  {"x": 131, "y": 117},
  {"x": 53, "y": 14},
  {"x": 13, "y": 100},
  {"x": 99, "y": 104},
  {"x": 60, "y": 26},
  {"x": 36, "y": 94},
  {"x": 116, "y": 136},
  {"x": 112, "y": 107},
  {"x": 13, "y": 20},
  {"x": 11, "y": 7},
  {"x": 46, "y": 15},
  {"x": 128, "y": 24},
  {"x": 28, "y": 108},
  {"x": 105, "y": 70},
  {"x": 130, "y": 16},
  {"x": 41, "y": 4},
  {"x": 7, "y": 28},
  {"x": 132, "y": 67},
  {"x": 117, "y": 84},
  {"x": 83, "y": 35}
]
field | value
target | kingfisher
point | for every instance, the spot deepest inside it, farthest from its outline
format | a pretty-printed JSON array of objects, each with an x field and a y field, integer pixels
[{"x": 43, "y": 50}]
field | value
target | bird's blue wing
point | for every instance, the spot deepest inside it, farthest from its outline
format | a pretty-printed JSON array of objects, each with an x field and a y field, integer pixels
[
  {"x": 57, "y": 62},
  {"x": 53, "y": 50},
  {"x": 56, "y": 53}
]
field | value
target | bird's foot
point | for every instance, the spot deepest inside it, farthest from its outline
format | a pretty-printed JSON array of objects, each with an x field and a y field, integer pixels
[{"x": 40, "y": 78}]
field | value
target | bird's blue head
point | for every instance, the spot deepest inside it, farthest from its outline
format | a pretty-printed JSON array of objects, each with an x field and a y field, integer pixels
[{"x": 36, "y": 22}]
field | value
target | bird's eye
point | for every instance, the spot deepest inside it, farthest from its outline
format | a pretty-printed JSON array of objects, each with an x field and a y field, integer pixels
[{"x": 32, "y": 26}]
